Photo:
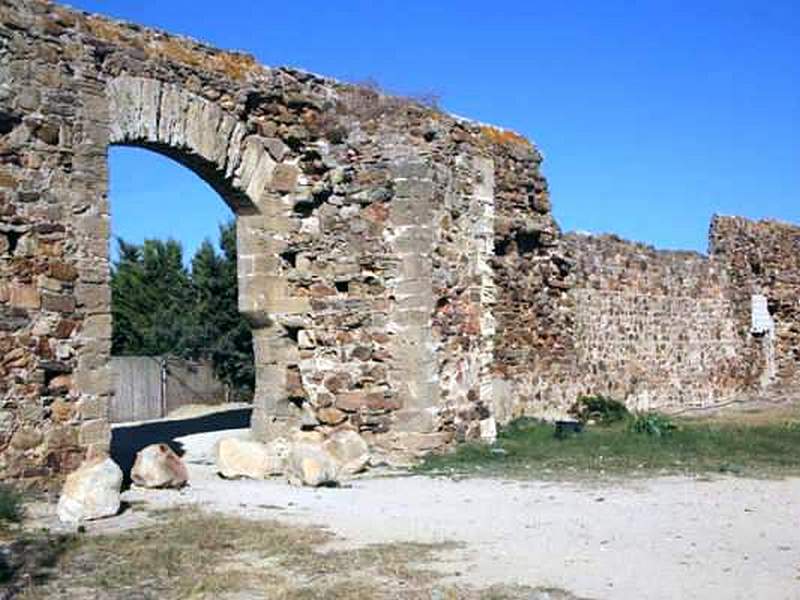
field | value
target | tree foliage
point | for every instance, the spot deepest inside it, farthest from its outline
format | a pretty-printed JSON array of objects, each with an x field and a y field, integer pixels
[{"x": 160, "y": 307}]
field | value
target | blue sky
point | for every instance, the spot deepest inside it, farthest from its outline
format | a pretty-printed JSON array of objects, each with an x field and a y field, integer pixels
[{"x": 652, "y": 116}]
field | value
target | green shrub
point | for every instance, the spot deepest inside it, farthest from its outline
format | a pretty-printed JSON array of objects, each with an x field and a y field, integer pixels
[
  {"x": 11, "y": 508},
  {"x": 600, "y": 409},
  {"x": 652, "y": 423}
]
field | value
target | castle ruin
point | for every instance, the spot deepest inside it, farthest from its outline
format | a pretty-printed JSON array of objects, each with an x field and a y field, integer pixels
[{"x": 400, "y": 268}]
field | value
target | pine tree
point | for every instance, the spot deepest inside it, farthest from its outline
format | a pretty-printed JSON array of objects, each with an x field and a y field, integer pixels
[
  {"x": 161, "y": 308},
  {"x": 224, "y": 335},
  {"x": 151, "y": 299}
]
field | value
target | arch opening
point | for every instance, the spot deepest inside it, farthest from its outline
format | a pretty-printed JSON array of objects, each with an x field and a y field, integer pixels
[
  {"x": 239, "y": 165},
  {"x": 181, "y": 353},
  {"x": 236, "y": 200}
]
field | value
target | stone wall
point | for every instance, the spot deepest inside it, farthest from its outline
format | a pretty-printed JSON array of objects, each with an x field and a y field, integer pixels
[
  {"x": 660, "y": 330},
  {"x": 763, "y": 258},
  {"x": 654, "y": 328},
  {"x": 364, "y": 222},
  {"x": 400, "y": 267}
]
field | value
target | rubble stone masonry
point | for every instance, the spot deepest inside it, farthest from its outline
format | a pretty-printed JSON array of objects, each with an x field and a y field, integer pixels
[
  {"x": 400, "y": 268},
  {"x": 661, "y": 330}
]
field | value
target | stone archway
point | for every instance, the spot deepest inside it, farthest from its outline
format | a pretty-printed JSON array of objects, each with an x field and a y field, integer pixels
[
  {"x": 245, "y": 170},
  {"x": 366, "y": 228}
]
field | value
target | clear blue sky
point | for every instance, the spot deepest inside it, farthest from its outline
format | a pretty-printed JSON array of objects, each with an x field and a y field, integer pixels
[{"x": 651, "y": 116}]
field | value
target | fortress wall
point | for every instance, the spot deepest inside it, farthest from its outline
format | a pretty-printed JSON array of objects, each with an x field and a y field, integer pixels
[
  {"x": 534, "y": 339},
  {"x": 400, "y": 267},
  {"x": 763, "y": 258},
  {"x": 654, "y": 328},
  {"x": 661, "y": 330},
  {"x": 364, "y": 222}
]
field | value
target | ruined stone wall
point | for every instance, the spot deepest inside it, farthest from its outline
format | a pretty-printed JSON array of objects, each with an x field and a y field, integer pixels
[
  {"x": 400, "y": 268},
  {"x": 660, "y": 330},
  {"x": 365, "y": 229},
  {"x": 763, "y": 258},
  {"x": 534, "y": 344},
  {"x": 655, "y": 328}
]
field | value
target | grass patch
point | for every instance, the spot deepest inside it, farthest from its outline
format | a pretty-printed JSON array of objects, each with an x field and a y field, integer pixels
[
  {"x": 190, "y": 554},
  {"x": 527, "y": 448},
  {"x": 31, "y": 559},
  {"x": 600, "y": 409}
]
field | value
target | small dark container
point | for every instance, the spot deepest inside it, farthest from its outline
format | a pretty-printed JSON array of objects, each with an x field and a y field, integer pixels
[{"x": 564, "y": 429}]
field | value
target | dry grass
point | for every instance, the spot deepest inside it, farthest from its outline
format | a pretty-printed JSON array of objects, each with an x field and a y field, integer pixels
[
  {"x": 752, "y": 414},
  {"x": 190, "y": 554}
]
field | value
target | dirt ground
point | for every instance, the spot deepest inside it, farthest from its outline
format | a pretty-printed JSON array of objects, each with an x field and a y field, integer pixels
[{"x": 675, "y": 537}]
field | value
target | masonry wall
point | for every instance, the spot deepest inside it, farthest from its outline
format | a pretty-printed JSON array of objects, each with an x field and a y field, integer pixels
[
  {"x": 654, "y": 328},
  {"x": 660, "y": 330},
  {"x": 364, "y": 226},
  {"x": 534, "y": 342},
  {"x": 763, "y": 257},
  {"x": 400, "y": 268}
]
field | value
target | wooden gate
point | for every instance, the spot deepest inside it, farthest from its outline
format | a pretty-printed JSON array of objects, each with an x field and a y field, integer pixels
[{"x": 151, "y": 387}]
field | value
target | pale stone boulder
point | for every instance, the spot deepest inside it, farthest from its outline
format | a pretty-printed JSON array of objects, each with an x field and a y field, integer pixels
[
  {"x": 310, "y": 464},
  {"x": 349, "y": 449},
  {"x": 157, "y": 466},
  {"x": 91, "y": 492},
  {"x": 246, "y": 458}
]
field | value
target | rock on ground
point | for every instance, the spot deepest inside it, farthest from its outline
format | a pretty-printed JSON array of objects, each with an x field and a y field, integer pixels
[
  {"x": 311, "y": 464},
  {"x": 157, "y": 466},
  {"x": 91, "y": 492},
  {"x": 251, "y": 459},
  {"x": 349, "y": 449}
]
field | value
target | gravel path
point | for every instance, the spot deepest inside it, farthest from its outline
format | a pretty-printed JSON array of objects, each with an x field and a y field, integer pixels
[{"x": 661, "y": 538}]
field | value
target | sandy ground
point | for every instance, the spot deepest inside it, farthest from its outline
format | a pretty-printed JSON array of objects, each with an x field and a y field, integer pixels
[{"x": 661, "y": 538}]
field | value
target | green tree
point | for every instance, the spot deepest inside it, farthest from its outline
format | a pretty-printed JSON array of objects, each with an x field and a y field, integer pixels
[
  {"x": 159, "y": 307},
  {"x": 222, "y": 334},
  {"x": 151, "y": 298}
]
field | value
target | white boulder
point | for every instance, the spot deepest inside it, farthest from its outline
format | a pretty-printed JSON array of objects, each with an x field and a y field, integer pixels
[
  {"x": 349, "y": 449},
  {"x": 91, "y": 492},
  {"x": 311, "y": 464},
  {"x": 157, "y": 466},
  {"x": 246, "y": 458}
]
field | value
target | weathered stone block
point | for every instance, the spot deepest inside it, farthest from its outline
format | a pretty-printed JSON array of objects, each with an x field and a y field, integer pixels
[
  {"x": 357, "y": 400},
  {"x": 284, "y": 178},
  {"x": 96, "y": 431},
  {"x": 93, "y": 298},
  {"x": 62, "y": 303},
  {"x": 26, "y": 438},
  {"x": 62, "y": 271},
  {"x": 92, "y": 407},
  {"x": 63, "y": 411},
  {"x": 24, "y": 296}
]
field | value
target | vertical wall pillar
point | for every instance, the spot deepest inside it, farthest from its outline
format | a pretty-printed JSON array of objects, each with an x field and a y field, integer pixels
[
  {"x": 414, "y": 372},
  {"x": 483, "y": 203},
  {"x": 265, "y": 299}
]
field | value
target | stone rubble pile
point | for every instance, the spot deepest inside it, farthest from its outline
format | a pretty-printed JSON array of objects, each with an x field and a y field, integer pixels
[{"x": 310, "y": 458}]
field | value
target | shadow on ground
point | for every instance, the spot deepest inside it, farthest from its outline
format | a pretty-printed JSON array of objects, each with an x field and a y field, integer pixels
[{"x": 127, "y": 440}]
